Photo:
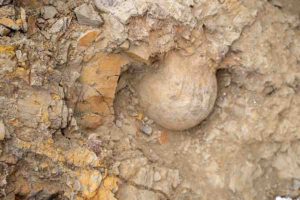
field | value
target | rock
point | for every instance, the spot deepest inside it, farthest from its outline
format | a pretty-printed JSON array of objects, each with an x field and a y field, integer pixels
[
  {"x": 4, "y": 2},
  {"x": 60, "y": 25},
  {"x": 128, "y": 192},
  {"x": 49, "y": 12},
  {"x": 110, "y": 184},
  {"x": 21, "y": 57},
  {"x": 146, "y": 129},
  {"x": 156, "y": 176},
  {"x": 9, "y": 23},
  {"x": 106, "y": 3},
  {"x": 86, "y": 15},
  {"x": 100, "y": 78},
  {"x": 91, "y": 121},
  {"x": 125, "y": 45},
  {"x": 4, "y": 31},
  {"x": 102, "y": 73},
  {"x": 296, "y": 184},
  {"x": 88, "y": 38},
  {"x": 23, "y": 20},
  {"x": 90, "y": 181},
  {"x": 2, "y": 130},
  {"x": 119, "y": 123},
  {"x": 140, "y": 53},
  {"x": 7, "y": 11},
  {"x": 32, "y": 28},
  {"x": 283, "y": 198}
]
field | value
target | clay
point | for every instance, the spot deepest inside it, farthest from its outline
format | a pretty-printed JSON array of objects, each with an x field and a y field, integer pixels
[{"x": 181, "y": 94}]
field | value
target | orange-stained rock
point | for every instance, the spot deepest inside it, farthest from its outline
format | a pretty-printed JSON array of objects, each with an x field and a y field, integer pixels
[
  {"x": 32, "y": 28},
  {"x": 10, "y": 50},
  {"x": 88, "y": 38},
  {"x": 95, "y": 104},
  {"x": 90, "y": 181},
  {"x": 105, "y": 192},
  {"x": 100, "y": 78},
  {"x": 91, "y": 121},
  {"x": 77, "y": 156},
  {"x": 9, "y": 23},
  {"x": 102, "y": 73}
]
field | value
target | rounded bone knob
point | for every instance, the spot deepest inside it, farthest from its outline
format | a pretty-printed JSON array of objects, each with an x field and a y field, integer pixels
[{"x": 180, "y": 94}]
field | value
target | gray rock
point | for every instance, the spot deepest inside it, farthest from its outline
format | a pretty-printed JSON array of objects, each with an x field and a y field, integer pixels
[
  {"x": 4, "y": 2},
  {"x": 106, "y": 3},
  {"x": 49, "y": 12},
  {"x": 296, "y": 184},
  {"x": 147, "y": 129},
  {"x": 4, "y": 31},
  {"x": 86, "y": 15}
]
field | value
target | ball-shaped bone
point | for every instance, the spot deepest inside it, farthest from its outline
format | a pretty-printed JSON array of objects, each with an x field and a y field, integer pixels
[{"x": 180, "y": 94}]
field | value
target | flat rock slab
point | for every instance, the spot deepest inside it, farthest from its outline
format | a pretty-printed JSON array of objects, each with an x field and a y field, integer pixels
[{"x": 86, "y": 15}]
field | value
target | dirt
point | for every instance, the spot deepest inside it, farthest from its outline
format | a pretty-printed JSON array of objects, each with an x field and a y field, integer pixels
[{"x": 73, "y": 123}]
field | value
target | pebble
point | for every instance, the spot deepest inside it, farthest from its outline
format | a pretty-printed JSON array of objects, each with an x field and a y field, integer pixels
[
  {"x": 133, "y": 113},
  {"x": 60, "y": 25},
  {"x": 4, "y": 31},
  {"x": 119, "y": 123},
  {"x": 156, "y": 176},
  {"x": 101, "y": 3},
  {"x": 296, "y": 184},
  {"x": 147, "y": 129},
  {"x": 4, "y": 2},
  {"x": 49, "y": 12},
  {"x": 2, "y": 130},
  {"x": 88, "y": 38},
  {"x": 24, "y": 20},
  {"x": 86, "y": 15}
]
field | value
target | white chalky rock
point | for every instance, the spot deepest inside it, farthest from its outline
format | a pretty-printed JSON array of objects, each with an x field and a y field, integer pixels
[
  {"x": 180, "y": 94},
  {"x": 2, "y": 130}
]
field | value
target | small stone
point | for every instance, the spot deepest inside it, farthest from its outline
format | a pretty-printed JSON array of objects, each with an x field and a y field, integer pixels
[
  {"x": 105, "y": 3},
  {"x": 119, "y": 123},
  {"x": 9, "y": 23},
  {"x": 88, "y": 38},
  {"x": 147, "y": 129},
  {"x": 4, "y": 2},
  {"x": 2, "y": 130},
  {"x": 91, "y": 121},
  {"x": 135, "y": 101},
  {"x": 49, "y": 12},
  {"x": 133, "y": 113},
  {"x": 32, "y": 29},
  {"x": 19, "y": 55},
  {"x": 4, "y": 31},
  {"x": 125, "y": 45},
  {"x": 140, "y": 53},
  {"x": 156, "y": 176},
  {"x": 23, "y": 20},
  {"x": 150, "y": 121},
  {"x": 296, "y": 184},
  {"x": 60, "y": 25},
  {"x": 86, "y": 15}
]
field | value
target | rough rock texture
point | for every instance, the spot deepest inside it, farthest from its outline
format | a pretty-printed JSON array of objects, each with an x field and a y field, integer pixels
[{"x": 72, "y": 125}]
